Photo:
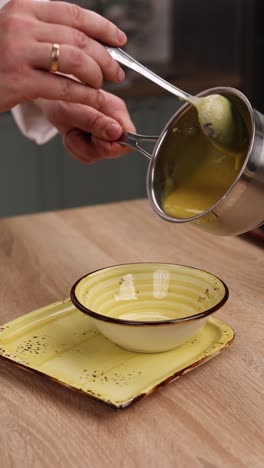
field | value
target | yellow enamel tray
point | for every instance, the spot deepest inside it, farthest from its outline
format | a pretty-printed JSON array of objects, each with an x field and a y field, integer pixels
[{"x": 61, "y": 343}]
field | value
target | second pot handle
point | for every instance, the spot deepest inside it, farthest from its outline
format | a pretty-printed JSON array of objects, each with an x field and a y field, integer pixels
[{"x": 133, "y": 140}]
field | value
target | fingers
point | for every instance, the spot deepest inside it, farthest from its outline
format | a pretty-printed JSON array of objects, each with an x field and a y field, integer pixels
[
  {"x": 90, "y": 135},
  {"x": 71, "y": 61},
  {"x": 85, "y": 46},
  {"x": 57, "y": 87},
  {"x": 87, "y": 21},
  {"x": 122, "y": 116},
  {"x": 78, "y": 145},
  {"x": 109, "y": 149},
  {"x": 116, "y": 108},
  {"x": 80, "y": 56},
  {"x": 85, "y": 118},
  {"x": 89, "y": 150}
]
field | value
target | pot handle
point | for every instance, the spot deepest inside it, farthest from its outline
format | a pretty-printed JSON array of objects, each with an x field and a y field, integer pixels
[{"x": 133, "y": 140}]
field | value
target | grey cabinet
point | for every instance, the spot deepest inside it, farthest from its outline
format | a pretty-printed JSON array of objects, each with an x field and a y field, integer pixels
[
  {"x": 39, "y": 178},
  {"x": 19, "y": 171}
]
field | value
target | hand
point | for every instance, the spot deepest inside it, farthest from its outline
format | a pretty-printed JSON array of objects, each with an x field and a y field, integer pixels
[
  {"x": 27, "y": 31},
  {"x": 76, "y": 121}
]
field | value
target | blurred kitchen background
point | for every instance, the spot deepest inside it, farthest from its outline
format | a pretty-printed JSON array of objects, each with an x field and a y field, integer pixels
[{"x": 194, "y": 44}]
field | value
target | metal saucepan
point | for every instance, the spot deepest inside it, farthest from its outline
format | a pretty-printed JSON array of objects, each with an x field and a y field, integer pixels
[{"x": 241, "y": 207}]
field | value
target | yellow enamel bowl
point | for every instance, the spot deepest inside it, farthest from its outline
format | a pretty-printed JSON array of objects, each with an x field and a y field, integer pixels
[{"x": 149, "y": 307}]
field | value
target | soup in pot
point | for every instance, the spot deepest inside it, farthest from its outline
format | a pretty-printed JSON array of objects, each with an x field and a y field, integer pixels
[{"x": 193, "y": 173}]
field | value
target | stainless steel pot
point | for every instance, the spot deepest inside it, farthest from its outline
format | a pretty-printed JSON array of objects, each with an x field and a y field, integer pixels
[{"x": 241, "y": 208}]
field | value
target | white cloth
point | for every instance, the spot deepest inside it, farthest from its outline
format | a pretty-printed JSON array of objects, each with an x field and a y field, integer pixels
[
  {"x": 30, "y": 119},
  {"x": 33, "y": 124}
]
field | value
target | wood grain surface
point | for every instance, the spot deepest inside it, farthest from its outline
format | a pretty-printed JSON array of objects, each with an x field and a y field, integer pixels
[{"x": 212, "y": 417}]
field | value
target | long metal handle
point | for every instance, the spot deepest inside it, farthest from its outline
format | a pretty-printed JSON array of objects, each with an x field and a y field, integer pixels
[
  {"x": 122, "y": 57},
  {"x": 133, "y": 140}
]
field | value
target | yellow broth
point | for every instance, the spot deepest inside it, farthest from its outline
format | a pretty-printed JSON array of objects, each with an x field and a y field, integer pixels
[{"x": 194, "y": 174}]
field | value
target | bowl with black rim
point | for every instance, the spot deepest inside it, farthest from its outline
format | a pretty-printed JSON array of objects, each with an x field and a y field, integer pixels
[{"x": 149, "y": 307}]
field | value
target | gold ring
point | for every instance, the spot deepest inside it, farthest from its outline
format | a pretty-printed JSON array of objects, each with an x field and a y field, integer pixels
[{"x": 55, "y": 53}]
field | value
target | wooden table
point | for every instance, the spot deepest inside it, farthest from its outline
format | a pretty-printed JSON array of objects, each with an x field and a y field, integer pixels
[{"x": 212, "y": 417}]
